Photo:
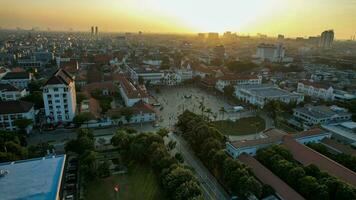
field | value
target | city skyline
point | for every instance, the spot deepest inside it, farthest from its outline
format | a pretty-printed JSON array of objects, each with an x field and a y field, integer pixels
[{"x": 291, "y": 18}]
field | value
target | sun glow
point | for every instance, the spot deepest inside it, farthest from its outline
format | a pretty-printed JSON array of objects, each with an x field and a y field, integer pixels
[{"x": 290, "y": 17}]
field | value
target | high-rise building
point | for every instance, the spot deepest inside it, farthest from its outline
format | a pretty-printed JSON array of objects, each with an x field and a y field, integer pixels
[
  {"x": 59, "y": 97},
  {"x": 280, "y": 37},
  {"x": 219, "y": 52},
  {"x": 92, "y": 30},
  {"x": 201, "y": 36},
  {"x": 326, "y": 39},
  {"x": 213, "y": 36},
  {"x": 270, "y": 52},
  {"x": 96, "y": 30}
]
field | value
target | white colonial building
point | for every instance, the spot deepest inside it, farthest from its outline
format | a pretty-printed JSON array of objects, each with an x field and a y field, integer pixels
[
  {"x": 316, "y": 90},
  {"x": 132, "y": 94},
  {"x": 313, "y": 115},
  {"x": 18, "y": 79},
  {"x": 10, "y": 111},
  {"x": 59, "y": 97},
  {"x": 148, "y": 74},
  {"x": 259, "y": 95},
  {"x": 234, "y": 80},
  {"x": 9, "y": 92}
]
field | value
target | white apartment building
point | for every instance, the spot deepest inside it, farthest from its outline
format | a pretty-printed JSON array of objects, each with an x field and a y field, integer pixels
[
  {"x": 270, "y": 52},
  {"x": 259, "y": 95},
  {"x": 233, "y": 80},
  {"x": 316, "y": 90},
  {"x": 131, "y": 94},
  {"x": 10, "y": 111},
  {"x": 18, "y": 79},
  {"x": 9, "y": 92},
  {"x": 59, "y": 97}
]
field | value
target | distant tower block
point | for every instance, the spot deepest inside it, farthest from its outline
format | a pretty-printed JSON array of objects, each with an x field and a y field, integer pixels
[
  {"x": 96, "y": 30},
  {"x": 92, "y": 30}
]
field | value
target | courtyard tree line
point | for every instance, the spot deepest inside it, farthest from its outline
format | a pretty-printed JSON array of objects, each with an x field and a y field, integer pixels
[
  {"x": 208, "y": 144},
  {"x": 13, "y": 146},
  {"x": 177, "y": 180},
  {"x": 346, "y": 160},
  {"x": 309, "y": 181}
]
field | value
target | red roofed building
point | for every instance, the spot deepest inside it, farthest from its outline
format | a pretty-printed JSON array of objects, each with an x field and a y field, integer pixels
[{"x": 132, "y": 94}]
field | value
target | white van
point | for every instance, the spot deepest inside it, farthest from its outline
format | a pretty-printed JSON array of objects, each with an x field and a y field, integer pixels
[{"x": 238, "y": 108}]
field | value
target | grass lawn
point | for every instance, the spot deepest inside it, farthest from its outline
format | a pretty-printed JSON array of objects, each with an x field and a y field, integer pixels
[
  {"x": 139, "y": 183},
  {"x": 243, "y": 126}
]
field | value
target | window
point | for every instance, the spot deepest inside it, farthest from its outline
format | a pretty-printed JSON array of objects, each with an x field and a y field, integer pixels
[
  {"x": 49, "y": 96},
  {"x": 64, "y": 95},
  {"x": 45, "y": 90},
  {"x": 49, "y": 102},
  {"x": 65, "y": 89},
  {"x": 55, "y": 89},
  {"x": 56, "y": 95},
  {"x": 57, "y": 101}
]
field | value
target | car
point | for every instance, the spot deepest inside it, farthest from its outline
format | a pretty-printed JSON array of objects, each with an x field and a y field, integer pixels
[
  {"x": 188, "y": 96},
  {"x": 156, "y": 104},
  {"x": 69, "y": 197},
  {"x": 156, "y": 125},
  {"x": 238, "y": 108}
]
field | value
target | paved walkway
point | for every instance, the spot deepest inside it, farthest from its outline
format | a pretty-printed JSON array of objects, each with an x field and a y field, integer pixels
[
  {"x": 267, "y": 177},
  {"x": 211, "y": 188}
]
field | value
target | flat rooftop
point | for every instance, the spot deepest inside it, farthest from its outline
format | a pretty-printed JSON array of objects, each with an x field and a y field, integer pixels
[
  {"x": 322, "y": 111},
  {"x": 265, "y": 90},
  {"x": 33, "y": 179}
]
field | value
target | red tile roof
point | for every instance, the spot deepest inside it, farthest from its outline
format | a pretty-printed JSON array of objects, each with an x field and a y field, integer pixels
[
  {"x": 131, "y": 91},
  {"x": 267, "y": 177},
  {"x": 307, "y": 156},
  {"x": 313, "y": 84},
  {"x": 60, "y": 77}
]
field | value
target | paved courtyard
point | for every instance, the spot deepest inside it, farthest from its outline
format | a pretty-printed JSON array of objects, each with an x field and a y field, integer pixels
[{"x": 177, "y": 99}]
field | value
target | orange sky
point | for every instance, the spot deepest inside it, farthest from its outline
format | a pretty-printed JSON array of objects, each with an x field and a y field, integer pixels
[{"x": 290, "y": 17}]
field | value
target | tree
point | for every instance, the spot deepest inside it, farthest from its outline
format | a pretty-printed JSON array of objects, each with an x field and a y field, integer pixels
[
  {"x": 83, "y": 143},
  {"x": 121, "y": 140},
  {"x": 81, "y": 118},
  {"x": 188, "y": 190},
  {"x": 163, "y": 132},
  {"x": 39, "y": 150},
  {"x": 141, "y": 81},
  {"x": 229, "y": 91},
  {"x": 179, "y": 157},
  {"x": 127, "y": 113},
  {"x": 36, "y": 98},
  {"x": 104, "y": 169},
  {"x": 22, "y": 124},
  {"x": 171, "y": 144}
]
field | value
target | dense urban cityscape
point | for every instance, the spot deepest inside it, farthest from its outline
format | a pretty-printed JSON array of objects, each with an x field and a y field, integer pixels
[{"x": 184, "y": 116}]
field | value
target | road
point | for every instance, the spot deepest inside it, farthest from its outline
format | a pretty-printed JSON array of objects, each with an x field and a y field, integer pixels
[{"x": 211, "y": 188}]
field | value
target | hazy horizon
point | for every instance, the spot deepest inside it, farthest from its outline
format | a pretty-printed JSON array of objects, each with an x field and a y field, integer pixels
[{"x": 293, "y": 18}]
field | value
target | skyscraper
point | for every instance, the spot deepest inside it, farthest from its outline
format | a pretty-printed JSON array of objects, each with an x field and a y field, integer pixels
[
  {"x": 326, "y": 39},
  {"x": 96, "y": 30},
  {"x": 92, "y": 30}
]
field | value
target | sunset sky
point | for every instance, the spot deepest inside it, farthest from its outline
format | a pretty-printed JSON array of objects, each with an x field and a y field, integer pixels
[{"x": 290, "y": 17}]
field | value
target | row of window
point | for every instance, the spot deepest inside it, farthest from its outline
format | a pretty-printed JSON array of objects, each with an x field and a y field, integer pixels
[{"x": 46, "y": 90}]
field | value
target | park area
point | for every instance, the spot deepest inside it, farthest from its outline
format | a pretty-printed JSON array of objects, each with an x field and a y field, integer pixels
[
  {"x": 243, "y": 126},
  {"x": 139, "y": 183}
]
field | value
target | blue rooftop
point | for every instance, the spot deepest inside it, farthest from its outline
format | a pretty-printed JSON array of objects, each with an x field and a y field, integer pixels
[{"x": 37, "y": 179}]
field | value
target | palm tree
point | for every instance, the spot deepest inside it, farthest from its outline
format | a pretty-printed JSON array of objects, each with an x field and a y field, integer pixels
[
  {"x": 222, "y": 111},
  {"x": 201, "y": 107},
  {"x": 208, "y": 112}
]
